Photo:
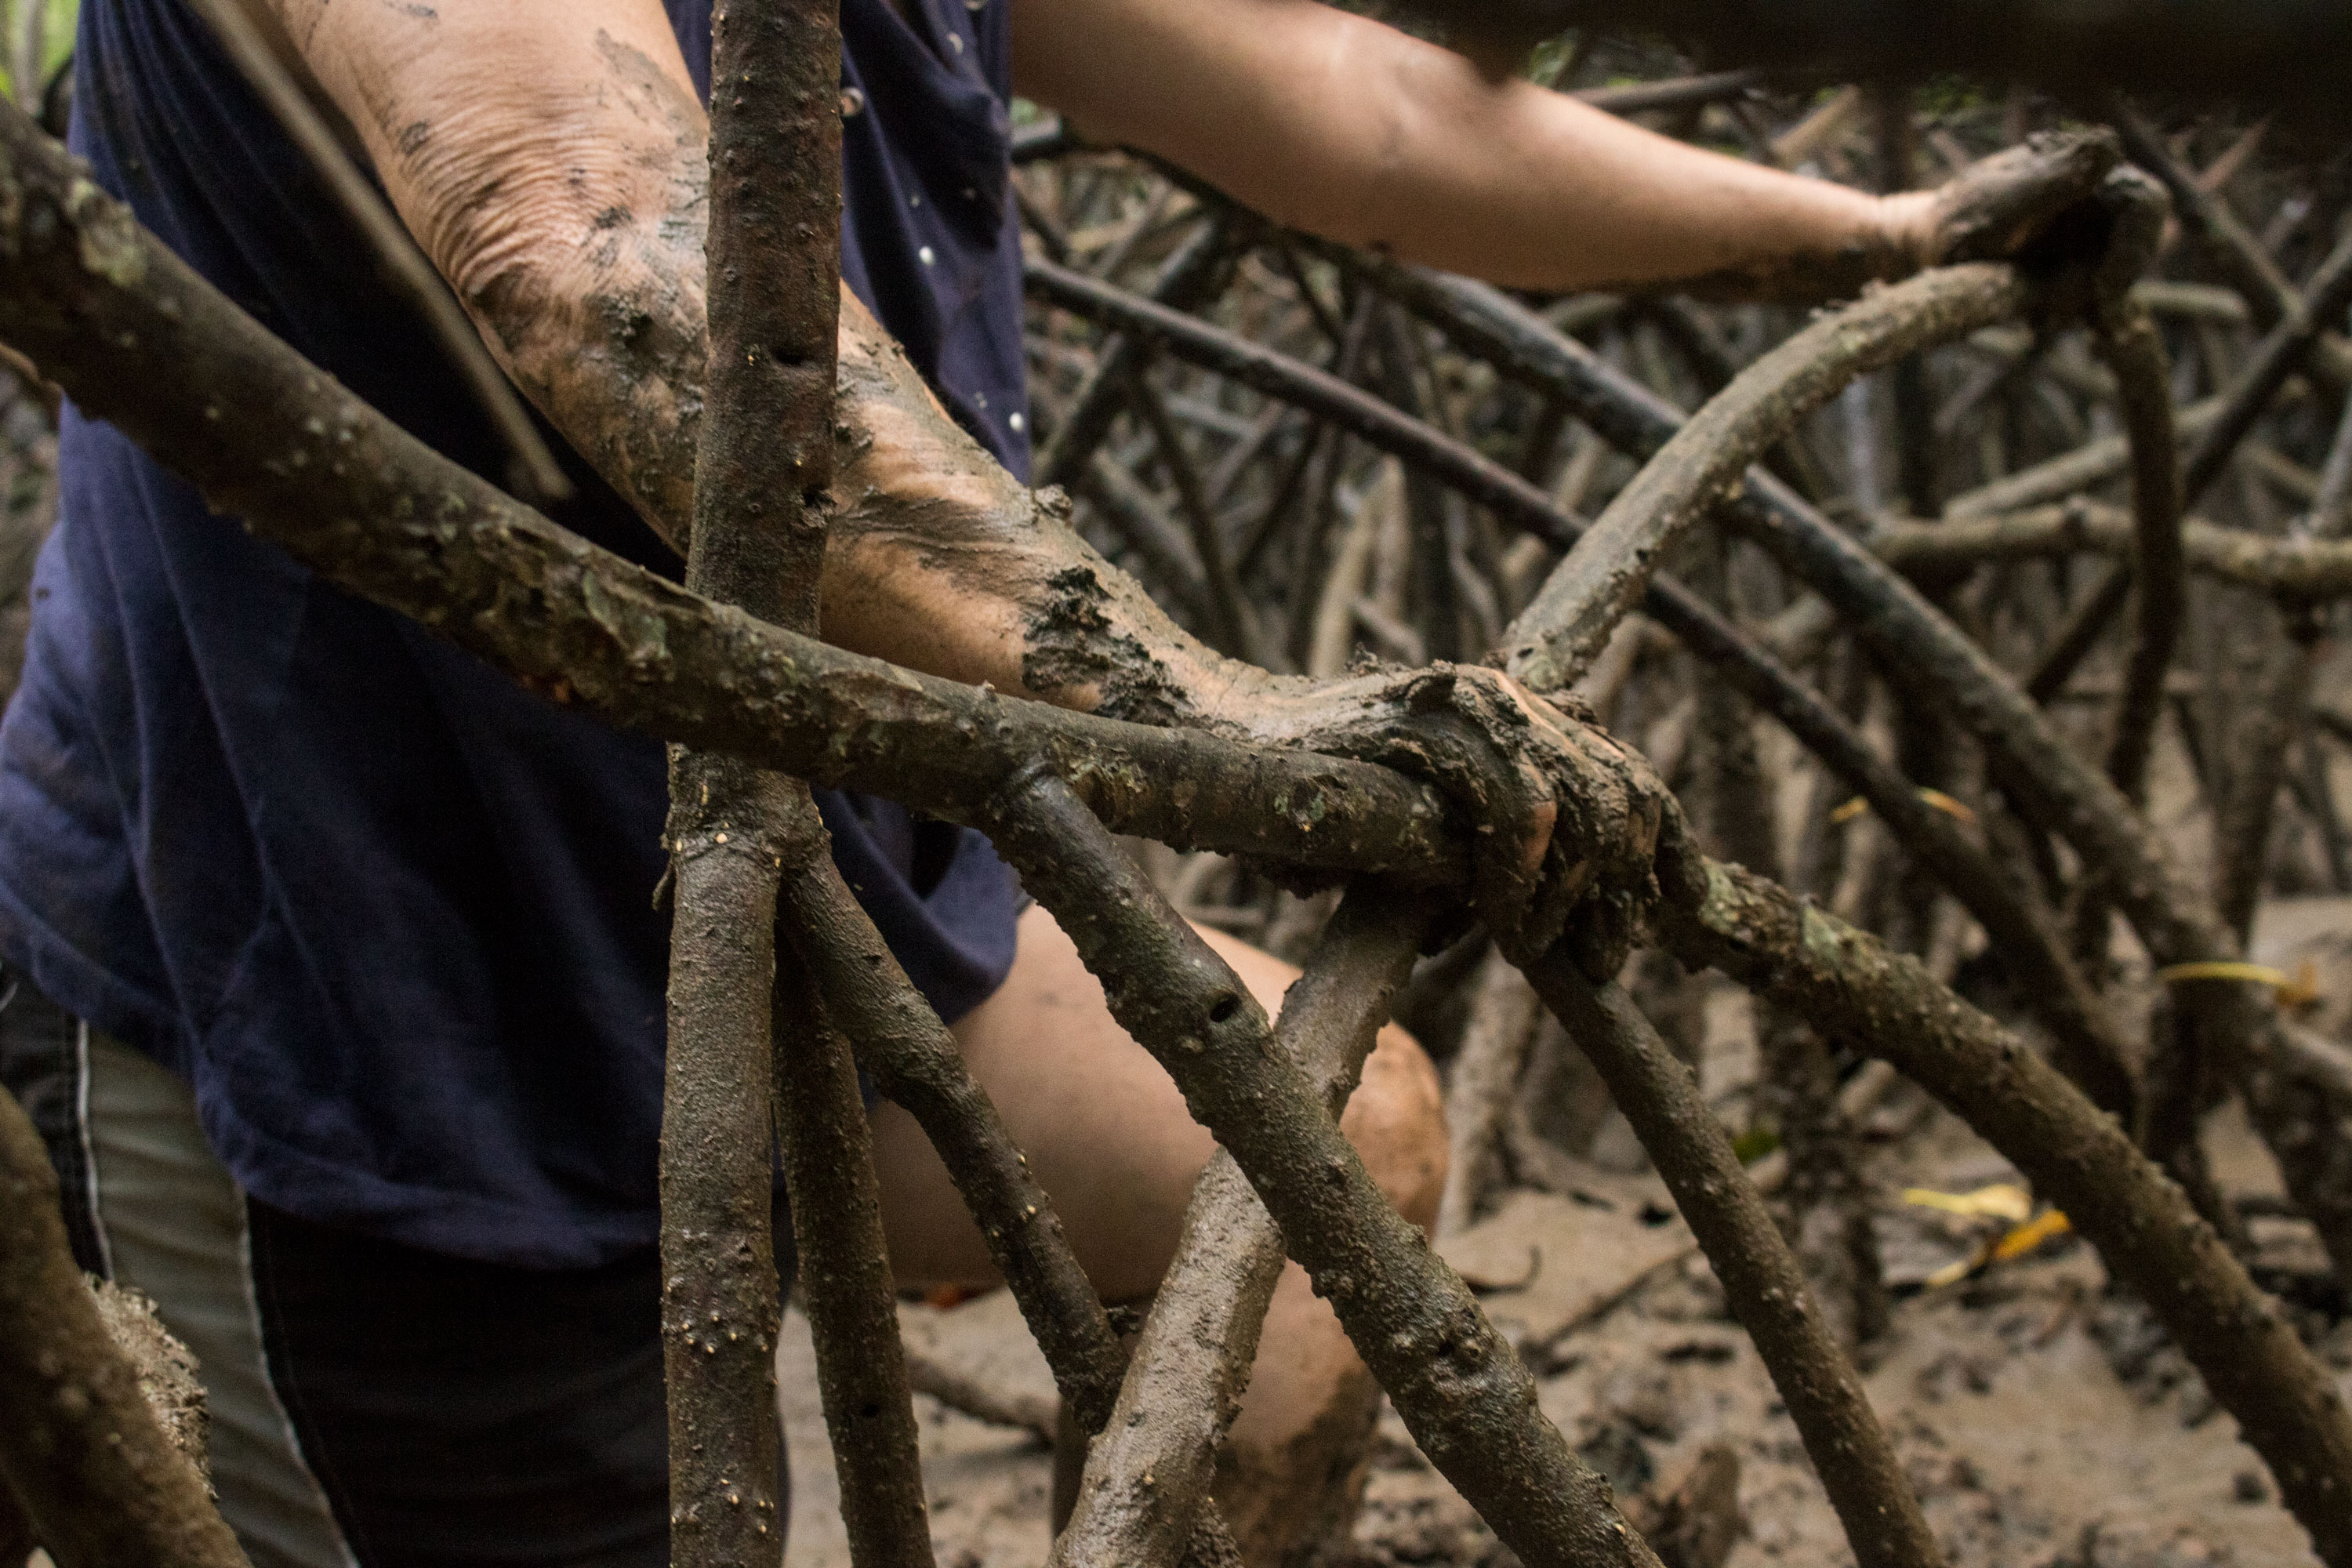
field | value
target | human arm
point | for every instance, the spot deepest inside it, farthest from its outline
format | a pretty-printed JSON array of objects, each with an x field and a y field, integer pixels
[{"x": 552, "y": 160}]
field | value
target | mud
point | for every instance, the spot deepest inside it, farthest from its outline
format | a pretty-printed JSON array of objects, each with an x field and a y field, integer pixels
[{"x": 2043, "y": 1419}]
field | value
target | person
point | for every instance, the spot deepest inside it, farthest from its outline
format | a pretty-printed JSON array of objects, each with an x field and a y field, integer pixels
[{"x": 335, "y": 972}]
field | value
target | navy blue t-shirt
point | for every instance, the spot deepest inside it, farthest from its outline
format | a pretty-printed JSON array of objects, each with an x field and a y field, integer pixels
[{"x": 391, "y": 916}]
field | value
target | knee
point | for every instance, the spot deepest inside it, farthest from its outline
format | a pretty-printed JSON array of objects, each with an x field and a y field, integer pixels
[{"x": 1396, "y": 1119}]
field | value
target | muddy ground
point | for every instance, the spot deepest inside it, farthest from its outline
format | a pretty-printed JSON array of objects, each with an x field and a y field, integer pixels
[{"x": 2043, "y": 1419}]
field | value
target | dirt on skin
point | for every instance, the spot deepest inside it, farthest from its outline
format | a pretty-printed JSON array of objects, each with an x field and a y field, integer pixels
[{"x": 2044, "y": 1420}]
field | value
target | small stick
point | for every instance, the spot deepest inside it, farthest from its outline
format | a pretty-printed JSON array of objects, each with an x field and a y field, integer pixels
[
  {"x": 1035, "y": 1413},
  {"x": 2263, "y": 739},
  {"x": 2236, "y": 253}
]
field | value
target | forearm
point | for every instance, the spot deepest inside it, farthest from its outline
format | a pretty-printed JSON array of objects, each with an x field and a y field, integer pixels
[
  {"x": 555, "y": 169},
  {"x": 1386, "y": 140}
]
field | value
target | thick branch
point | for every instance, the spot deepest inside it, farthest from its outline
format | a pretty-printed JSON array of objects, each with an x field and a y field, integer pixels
[
  {"x": 1886, "y": 1005},
  {"x": 1463, "y": 1392},
  {"x": 762, "y": 472},
  {"x": 1762, "y": 1282},
  {"x": 1604, "y": 574},
  {"x": 101, "y": 1484},
  {"x": 1148, "y": 1474}
]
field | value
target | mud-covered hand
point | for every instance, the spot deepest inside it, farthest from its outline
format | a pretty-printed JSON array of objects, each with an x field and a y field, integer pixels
[
  {"x": 2036, "y": 204},
  {"x": 1566, "y": 821}
]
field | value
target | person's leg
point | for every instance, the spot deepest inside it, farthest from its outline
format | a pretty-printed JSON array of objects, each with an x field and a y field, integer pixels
[{"x": 1109, "y": 1139}]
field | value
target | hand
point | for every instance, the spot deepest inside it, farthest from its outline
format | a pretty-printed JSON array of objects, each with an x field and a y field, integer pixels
[
  {"x": 2036, "y": 204},
  {"x": 1567, "y": 822}
]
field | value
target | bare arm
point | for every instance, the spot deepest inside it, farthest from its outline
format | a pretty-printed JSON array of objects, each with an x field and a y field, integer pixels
[
  {"x": 1347, "y": 127},
  {"x": 551, "y": 157}
]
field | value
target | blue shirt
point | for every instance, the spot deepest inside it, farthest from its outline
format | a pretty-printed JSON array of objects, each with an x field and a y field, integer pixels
[{"x": 391, "y": 916}]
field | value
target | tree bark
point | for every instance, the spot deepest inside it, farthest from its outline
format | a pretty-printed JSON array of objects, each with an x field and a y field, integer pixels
[{"x": 100, "y": 1483}]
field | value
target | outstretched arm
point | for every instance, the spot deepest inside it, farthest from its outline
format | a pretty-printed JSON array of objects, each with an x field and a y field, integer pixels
[
  {"x": 551, "y": 158},
  {"x": 1344, "y": 127}
]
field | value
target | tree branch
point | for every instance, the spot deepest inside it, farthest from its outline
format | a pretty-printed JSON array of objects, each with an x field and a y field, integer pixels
[
  {"x": 1463, "y": 1394},
  {"x": 1604, "y": 574},
  {"x": 1147, "y": 1473},
  {"x": 1762, "y": 1282}
]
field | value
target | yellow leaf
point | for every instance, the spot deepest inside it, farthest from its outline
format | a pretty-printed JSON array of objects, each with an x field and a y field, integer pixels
[
  {"x": 2031, "y": 1235},
  {"x": 1948, "y": 805},
  {"x": 1853, "y": 809},
  {"x": 2297, "y": 990}
]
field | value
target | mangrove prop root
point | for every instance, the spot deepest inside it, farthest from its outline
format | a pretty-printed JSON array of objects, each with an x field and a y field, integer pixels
[
  {"x": 846, "y": 1282},
  {"x": 1886, "y": 1005},
  {"x": 747, "y": 1038},
  {"x": 100, "y": 1483},
  {"x": 720, "y": 1305},
  {"x": 1461, "y": 1390},
  {"x": 1762, "y": 1282},
  {"x": 1147, "y": 1475}
]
